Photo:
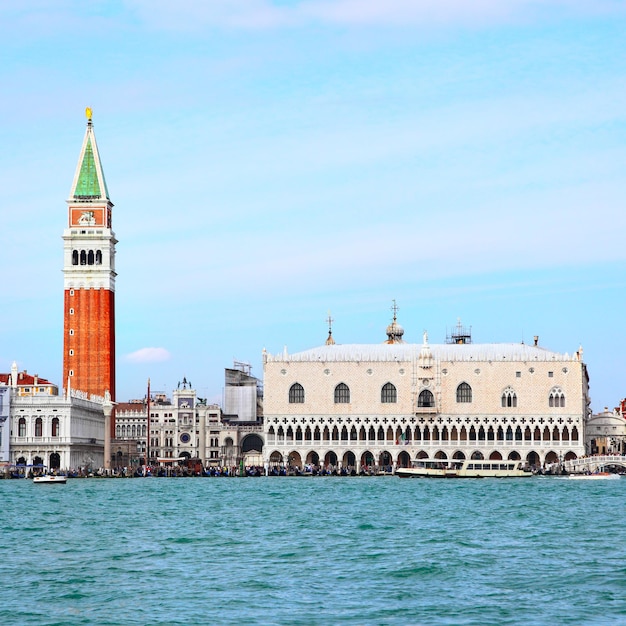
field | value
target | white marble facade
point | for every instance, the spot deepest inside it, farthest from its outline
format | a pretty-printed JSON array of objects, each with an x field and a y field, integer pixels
[
  {"x": 60, "y": 432},
  {"x": 364, "y": 406}
]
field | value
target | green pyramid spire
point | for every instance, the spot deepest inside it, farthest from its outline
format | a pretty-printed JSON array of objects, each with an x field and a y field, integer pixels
[
  {"x": 87, "y": 184},
  {"x": 89, "y": 181}
]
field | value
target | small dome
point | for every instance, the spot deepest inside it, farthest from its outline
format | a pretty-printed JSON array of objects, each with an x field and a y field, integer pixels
[
  {"x": 394, "y": 330},
  {"x": 394, "y": 333}
]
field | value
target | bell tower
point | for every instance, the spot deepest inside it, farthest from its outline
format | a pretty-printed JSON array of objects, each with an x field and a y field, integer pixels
[{"x": 89, "y": 279}]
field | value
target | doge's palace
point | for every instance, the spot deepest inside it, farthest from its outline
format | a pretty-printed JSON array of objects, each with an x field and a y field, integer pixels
[{"x": 375, "y": 407}]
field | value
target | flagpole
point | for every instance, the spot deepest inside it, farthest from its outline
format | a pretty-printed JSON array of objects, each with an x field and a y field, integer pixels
[{"x": 148, "y": 432}]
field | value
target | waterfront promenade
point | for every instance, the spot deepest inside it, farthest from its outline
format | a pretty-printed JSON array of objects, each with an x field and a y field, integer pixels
[{"x": 587, "y": 464}]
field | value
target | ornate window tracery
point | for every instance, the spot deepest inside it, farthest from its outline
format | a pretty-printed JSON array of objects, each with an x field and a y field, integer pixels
[
  {"x": 509, "y": 398},
  {"x": 556, "y": 397}
]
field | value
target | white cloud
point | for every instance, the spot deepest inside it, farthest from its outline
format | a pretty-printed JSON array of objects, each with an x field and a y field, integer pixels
[{"x": 149, "y": 355}]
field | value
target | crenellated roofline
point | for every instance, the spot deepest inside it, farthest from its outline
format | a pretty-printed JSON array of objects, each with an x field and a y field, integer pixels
[{"x": 511, "y": 352}]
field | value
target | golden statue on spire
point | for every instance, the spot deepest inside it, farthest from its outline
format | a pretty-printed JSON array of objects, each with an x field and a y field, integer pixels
[{"x": 88, "y": 113}]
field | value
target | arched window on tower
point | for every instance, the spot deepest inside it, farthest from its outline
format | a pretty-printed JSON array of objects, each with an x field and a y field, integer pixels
[
  {"x": 90, "y": 258},
  {"x": 296, "y": 394},
  {"x": 388, "y": 393},
  {"x": 83, "y": 257},
  {"x": 463, "y": 393},
  {"x": 74, "y": 257},
  {"x": 98, "y": 257},
  {"x": 342, "y": 394}
]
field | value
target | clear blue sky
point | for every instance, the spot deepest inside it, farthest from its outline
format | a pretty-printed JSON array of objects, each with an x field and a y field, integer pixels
[{"x": 270, "y": 160}]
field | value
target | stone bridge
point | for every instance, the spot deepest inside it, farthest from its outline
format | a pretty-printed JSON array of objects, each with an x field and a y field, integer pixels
[{"x": 593, "y": 463}]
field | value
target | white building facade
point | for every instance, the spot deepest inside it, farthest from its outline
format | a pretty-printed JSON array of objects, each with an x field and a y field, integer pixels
[
  {"x": 5, "y": 424},
  {"x": 179, "y": 429},
  {"x": 242, "y": 394},
  {"x": 59, "y": 432},
  {"x": 365, "y": 407},
  {"x": 44, "y": 429},
  {"x": 606, "y": 433},
  {"x": 186, "y": 430}
]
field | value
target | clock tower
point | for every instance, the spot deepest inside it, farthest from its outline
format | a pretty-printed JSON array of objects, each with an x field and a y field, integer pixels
[{"x": 89, "y": 279}]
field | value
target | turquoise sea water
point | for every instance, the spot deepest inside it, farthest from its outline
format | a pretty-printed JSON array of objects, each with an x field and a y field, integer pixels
[{"x": 309, "y": 551}]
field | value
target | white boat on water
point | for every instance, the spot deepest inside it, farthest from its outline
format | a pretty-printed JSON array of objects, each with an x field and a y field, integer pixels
[
  {"x": 595, "y": 476},
  {"x": 466, "y": 468},
  {"x": 49, "y": 479}
]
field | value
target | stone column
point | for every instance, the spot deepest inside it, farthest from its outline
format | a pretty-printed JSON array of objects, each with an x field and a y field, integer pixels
[
  {"x": 107, "y": 408},
  {"x": 202, "y": 435}
]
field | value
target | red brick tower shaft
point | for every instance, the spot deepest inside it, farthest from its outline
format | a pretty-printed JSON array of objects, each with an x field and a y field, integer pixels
[{"x": 89, "y": 280}]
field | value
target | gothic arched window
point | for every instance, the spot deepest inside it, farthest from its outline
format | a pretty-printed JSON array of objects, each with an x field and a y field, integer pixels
[
  {"x": 463, "y": 393},
  {"x": 296, "y": 394},
  {"x": 509, "y": 398},
  {"x": 556, "y": 397},
  {"x": 342, "y": 394},
  {"x": 426, "y": 399},
  {"x": 388, "y": 393}
]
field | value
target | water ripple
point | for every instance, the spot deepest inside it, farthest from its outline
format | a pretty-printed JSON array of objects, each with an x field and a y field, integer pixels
[{"x": 315, "y": 551}]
